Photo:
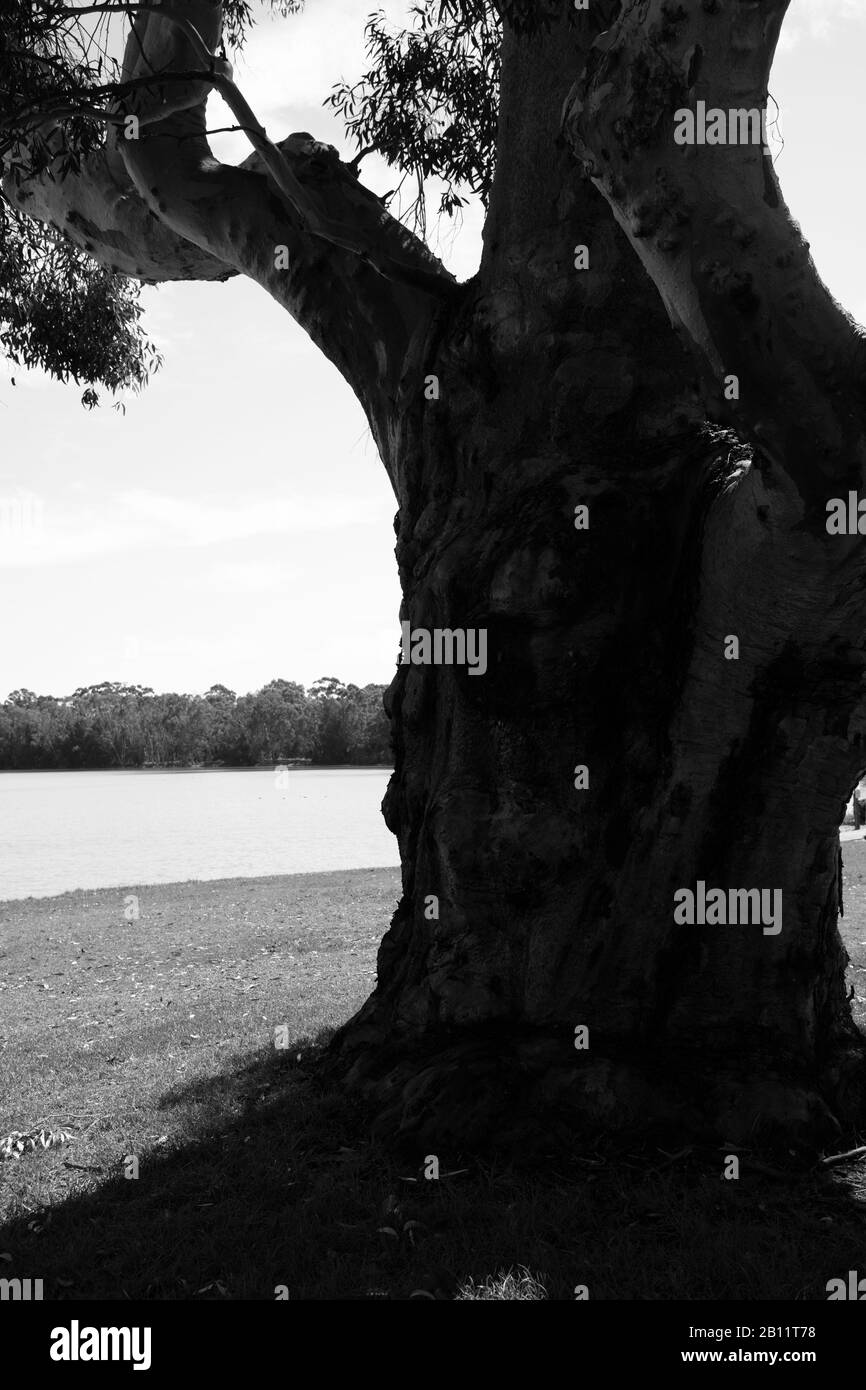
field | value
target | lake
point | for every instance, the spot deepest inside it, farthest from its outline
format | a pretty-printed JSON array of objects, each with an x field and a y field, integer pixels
[{"x": 65, "y": 830}]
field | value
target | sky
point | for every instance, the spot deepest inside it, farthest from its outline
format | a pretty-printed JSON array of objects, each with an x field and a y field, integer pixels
[{"x": 235, "y": 525}]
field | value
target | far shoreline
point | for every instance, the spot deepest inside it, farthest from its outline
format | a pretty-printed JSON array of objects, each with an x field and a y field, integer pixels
[{"x": 285, "y": 764}]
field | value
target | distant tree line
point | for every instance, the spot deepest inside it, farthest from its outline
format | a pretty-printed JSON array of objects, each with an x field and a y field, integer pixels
[{"x": 115, "y": 725}]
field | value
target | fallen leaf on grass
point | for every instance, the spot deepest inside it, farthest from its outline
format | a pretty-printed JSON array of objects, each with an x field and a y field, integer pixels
[{"x": 19, "y": 1142}]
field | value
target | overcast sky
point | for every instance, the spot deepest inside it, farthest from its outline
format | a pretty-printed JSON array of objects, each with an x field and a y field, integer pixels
[{"x": 235, "y": 525}]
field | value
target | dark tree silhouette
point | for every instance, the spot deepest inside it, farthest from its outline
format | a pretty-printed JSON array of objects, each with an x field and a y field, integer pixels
[{"x": 612, "y": 451}]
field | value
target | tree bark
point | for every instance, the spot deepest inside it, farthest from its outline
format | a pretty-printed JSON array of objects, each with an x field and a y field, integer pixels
[
  {"x": 608, "y": 648},
  {"x": 555, "y": 906}
]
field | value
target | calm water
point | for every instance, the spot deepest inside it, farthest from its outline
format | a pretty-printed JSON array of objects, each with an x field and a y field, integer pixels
[{"x": 63, "y": 830}]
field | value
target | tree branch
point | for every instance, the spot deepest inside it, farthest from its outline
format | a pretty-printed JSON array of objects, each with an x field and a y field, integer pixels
[
  {"x": 45, "y": 113},
  {"x": 709, "y": 224},
  {"x": 163, "y": 39},
  {"x": 188, "y": 29},
  {"x": 292, "y": 217},
  {"x": 98, "y": 209}
]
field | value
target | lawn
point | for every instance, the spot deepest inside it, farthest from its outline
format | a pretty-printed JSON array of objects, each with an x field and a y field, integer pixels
[{"x": 153, "y": 1038}]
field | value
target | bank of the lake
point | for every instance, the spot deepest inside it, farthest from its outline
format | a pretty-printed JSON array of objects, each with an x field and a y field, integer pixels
[
  {"x": 153, "y": 1038},
  {"x": 102, "y": 1014}
]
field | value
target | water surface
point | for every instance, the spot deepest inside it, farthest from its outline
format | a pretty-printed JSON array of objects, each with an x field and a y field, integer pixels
[{"x": 65, "y": 830}]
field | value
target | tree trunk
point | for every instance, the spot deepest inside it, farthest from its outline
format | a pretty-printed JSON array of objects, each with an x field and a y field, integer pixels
[
  {"x": 531, "y": 906},
  {"x": 554, "y": 906},
  {"x": 693, "y": 642}
]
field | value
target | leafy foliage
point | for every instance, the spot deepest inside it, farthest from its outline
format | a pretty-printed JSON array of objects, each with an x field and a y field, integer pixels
[
  {"x": 238, "y": 18},
  {"x": 428, "y": 104},
  {"x": 116, "y": 725},
  {"x": 61, "y": 311},
  {"x": 20, "y": 1142},
  {"x": 429, "y": 100},
  {"x": 57, "y": 78}
]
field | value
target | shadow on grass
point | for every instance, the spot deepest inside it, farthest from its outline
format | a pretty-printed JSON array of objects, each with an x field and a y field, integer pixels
[{"x": 281, "y": 1186}]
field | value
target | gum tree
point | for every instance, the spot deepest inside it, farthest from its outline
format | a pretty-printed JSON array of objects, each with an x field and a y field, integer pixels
[{"x": 613, "y": 449}]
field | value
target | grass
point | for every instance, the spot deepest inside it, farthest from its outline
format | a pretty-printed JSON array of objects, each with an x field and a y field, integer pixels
[{"x": 153, "y": 1038}]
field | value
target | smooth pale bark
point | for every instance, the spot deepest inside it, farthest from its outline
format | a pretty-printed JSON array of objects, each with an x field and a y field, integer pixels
[
  {"x": 711, "y": 227},
  {"x": 558, "y": 388},
  {"x": 98, "y": 210}
]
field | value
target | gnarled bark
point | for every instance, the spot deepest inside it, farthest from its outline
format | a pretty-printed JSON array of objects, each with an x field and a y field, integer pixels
[
  {"x": 607, "y": 648},
  {"x": 555, "y": 906}
]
